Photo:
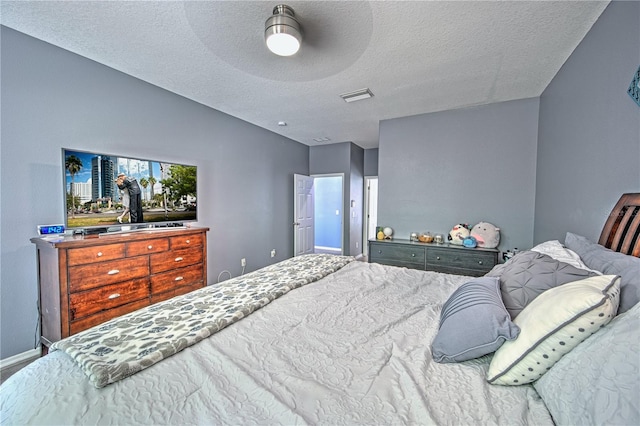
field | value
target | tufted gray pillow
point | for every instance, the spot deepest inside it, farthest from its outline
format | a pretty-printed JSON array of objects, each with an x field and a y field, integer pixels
[
  {"x": 530, "y": 273},
  {"x": 610, "y": 262},
  {"x": 473, "y": 322}
]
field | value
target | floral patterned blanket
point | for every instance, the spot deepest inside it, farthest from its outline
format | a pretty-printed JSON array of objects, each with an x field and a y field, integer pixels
[{"x": 126, "y": 345}]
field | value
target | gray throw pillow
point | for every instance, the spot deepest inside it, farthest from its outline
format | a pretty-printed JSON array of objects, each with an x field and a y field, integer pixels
[
  {"x": 610, "y": 262},
  {"x": 530, "y": 273},
  {"x": 473, "y": 322},
  {"x": 597, "y": 382}
]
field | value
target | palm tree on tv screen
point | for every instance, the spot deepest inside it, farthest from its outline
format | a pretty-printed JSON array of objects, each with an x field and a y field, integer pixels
[
  {"x": 144, "y": 183},
  {"x": 73, "y": 165},
  {"x": 152, "y": 181}
]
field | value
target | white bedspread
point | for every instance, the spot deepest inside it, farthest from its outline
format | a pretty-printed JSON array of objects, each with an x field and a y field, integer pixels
[{"x": 352, "y": 348}]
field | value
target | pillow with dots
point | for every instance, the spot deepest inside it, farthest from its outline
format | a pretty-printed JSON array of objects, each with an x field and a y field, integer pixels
[{"x": 551, "y": 325}]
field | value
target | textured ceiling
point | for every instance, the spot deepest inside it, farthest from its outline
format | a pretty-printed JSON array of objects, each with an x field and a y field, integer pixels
[{"x": 415, "y": 56}]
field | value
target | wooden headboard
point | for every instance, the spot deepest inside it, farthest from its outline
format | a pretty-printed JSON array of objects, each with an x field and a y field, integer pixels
[{"x": 621, "y": 232}]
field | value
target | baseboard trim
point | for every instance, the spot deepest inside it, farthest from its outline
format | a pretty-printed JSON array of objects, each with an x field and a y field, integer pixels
[
  {"x": 29, "y": 355},
  {"x": 327, "y": 250}
]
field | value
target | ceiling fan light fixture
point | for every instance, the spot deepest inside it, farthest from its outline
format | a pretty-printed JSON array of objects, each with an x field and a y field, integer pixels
[{"x": 282, "y": 32}]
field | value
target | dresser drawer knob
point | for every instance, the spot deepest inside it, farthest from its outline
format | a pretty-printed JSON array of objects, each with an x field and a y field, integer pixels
[
  {"x": 188, "y": 241},
  {"x": 113, "y": 272},
  {"x": 437, "y": 257},
  {"x": 479, "y": 262},
  {"x": 413, "y": 255},
  {"x": 99, "y": 254},
  {"x": 178, "y": 259},
  {"x": 149, "y": 247},
  {"x": 114, "y": 296},
  {"x": 178, "y": 278},
  {"x": 379, "y": 251}
]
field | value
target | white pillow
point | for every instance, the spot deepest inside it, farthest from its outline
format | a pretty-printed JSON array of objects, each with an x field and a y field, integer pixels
[
  {"x": 551, "y": 325},
  {"x": 559, "y": 252}
]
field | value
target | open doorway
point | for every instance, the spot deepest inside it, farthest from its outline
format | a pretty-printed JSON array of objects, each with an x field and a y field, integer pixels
[
  {"x": 328, "y": 209},
  {"x": 371, "y": 211}
]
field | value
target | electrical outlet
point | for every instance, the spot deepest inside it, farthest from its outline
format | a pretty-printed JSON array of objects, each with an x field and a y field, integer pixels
[
  {"x": 273, "y": 252},
  {"x": 243, "y": 262}
]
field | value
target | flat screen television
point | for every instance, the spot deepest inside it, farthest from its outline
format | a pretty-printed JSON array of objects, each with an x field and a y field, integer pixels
[{"x": 98, "y": 187}]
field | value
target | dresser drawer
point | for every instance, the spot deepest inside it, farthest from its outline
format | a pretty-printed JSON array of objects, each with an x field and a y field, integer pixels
[
  {"x": 461, "y": 261},
  {"x": 86, "y": 277},
  {"x": 138, "y": 248},
  {"x": 185, "y": 241},
  {"x": 398, "y": 255},
  {"x": 155, "y": 298},
  {"x": 96, "y": 319},
  {"x": 161, "y": 262},
  {"x": 85, "y": 303},
  {"x": 177, "y": 278},
  {"x": 82, "y": 256}
]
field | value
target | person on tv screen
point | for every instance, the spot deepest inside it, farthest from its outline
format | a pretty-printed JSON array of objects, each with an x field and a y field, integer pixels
[
  {"x": 130, "y": 185},
  {"x": 125, "y": 205}
]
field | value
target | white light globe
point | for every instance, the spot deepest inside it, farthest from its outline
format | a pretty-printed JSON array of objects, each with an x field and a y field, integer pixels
[
  {"x": 387, "y": 231},
  {"x": 283, "y": 44}
]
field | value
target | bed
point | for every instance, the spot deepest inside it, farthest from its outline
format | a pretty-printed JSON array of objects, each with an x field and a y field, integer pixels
[{"x": 323, "y": 339}]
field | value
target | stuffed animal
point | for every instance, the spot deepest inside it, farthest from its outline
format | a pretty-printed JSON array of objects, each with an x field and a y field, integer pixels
[
  {"x": 470, "y": 242},
  {"x": 458, "y": 233},
  {"x": 486, "y": 234}
]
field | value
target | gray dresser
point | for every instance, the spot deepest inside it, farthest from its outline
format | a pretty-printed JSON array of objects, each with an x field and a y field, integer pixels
[{"x": 448, "y": 258}]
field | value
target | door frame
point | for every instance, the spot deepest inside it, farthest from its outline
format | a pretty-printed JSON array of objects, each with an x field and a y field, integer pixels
[{"x": 367, "y": 207}]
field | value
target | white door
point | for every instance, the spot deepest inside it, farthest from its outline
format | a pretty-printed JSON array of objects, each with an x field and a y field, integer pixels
[
  {"x": 303, "y": 239},
  {"x": 371, "y": 206}
]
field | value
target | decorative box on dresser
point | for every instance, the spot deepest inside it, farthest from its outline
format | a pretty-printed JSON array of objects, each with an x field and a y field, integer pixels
[
  {"x": 448, "y": 258},
  {"x": 87, "y": 280}
]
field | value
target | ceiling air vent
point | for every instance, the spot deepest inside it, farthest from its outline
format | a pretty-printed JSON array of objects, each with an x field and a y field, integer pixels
[{"x": 358, "y": 95}]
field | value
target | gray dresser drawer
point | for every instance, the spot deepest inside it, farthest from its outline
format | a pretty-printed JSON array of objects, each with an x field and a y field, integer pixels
[
  {"x": 447, "y": 258},
  {"x": 461, "y": 261},
  {"x": 397, "y": 255}
]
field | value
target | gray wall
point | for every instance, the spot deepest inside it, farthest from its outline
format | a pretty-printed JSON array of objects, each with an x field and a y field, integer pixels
[
  {"x": 346, "y": 158},
  {"x": 589, "y": 134},
  {"x": 371, "y": 162},
  {"x": 52, "y": 98},
  {"x": 461, "y": 166}
]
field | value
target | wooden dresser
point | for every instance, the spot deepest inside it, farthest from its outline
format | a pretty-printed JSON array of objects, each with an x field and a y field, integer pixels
[
  {"x": 85, "y": 281},
  {"x": 448, "y": 258}
]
